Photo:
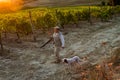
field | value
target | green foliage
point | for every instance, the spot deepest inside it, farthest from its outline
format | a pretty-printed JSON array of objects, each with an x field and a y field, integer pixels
[
  {"x": 23, "y": 26},
  {"x": 49, "y": 20},
  {"x": 40, "y": 22},
  {"x": 105, "y": 13},
  {"x": 46, "y": 18},
  {"x": 85, "y": 14},
  {"x": 61, "y": 18},
  {"x": 78, "y": 16},
  {"x": 69, "y": 17},
  {"x": 116, "y": 9}
]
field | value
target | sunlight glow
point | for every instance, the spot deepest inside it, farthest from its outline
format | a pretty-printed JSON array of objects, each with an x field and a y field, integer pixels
[
  {"x": 4, "y": 0},
  {"x": 10, "y": 5}
]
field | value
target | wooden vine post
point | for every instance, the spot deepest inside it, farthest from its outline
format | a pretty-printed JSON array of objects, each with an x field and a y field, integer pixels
[
  {"x": 1, "y": 44},
  {"x": 32, "y": 26},
  {"x": 89, "y": 20}
]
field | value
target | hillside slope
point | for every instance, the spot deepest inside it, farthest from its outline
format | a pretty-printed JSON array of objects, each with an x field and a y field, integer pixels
[
  {"x": 26, "y": 61},
  {"x": 34, "y": 3}
]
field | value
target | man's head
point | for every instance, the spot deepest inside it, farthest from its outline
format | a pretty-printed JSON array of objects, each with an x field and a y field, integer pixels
[{"x": 56, "y": 29}]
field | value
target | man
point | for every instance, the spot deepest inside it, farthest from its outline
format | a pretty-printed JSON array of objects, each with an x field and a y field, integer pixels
[
  {"x": 59, "y": 42},
  {"x": 72, "y": 60}
]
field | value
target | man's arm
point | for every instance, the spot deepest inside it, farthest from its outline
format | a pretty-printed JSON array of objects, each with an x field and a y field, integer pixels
[{"x": 62, "y": 40}]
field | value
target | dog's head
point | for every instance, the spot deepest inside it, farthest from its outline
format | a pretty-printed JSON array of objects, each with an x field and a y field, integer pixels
[{"x": 64, "y": 60}]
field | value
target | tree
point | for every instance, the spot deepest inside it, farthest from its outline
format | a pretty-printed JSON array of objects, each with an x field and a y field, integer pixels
[{"x": 114, "y": 2}]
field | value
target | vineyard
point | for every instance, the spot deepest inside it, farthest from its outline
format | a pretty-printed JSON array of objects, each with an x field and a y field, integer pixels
[
  {"x": 90, "y": 32},
  {"x": 26, "y": 22}
]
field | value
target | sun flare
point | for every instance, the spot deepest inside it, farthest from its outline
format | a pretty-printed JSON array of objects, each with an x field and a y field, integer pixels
[
  {"x": 10, "y": 5},
  {"x": 5, "y": 0}
]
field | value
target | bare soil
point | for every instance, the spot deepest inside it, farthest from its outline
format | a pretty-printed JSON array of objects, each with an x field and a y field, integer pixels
[
  {"x": 35, "y": 3},
  {"x": 27, "y": 61}
]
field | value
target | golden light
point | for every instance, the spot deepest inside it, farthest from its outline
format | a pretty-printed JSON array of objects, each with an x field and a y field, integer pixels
[
  {"x": 10, "y": 5},
  {"x": 4, "y": 0}
]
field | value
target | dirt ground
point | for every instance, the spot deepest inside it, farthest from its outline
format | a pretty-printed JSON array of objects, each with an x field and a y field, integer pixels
[
  {"x": 27, "y": 61},
  {"x": 60, "y": 3}
]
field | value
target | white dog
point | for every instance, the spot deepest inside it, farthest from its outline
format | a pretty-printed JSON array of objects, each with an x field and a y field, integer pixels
[{"x": 72, "y": 60}]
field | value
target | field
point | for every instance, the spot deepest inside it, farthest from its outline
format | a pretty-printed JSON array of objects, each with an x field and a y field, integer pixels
[{"x": 91, "y": 32}]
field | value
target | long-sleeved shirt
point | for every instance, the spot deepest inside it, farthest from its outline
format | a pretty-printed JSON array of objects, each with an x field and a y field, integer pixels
[{"x": 59, "y": 39}]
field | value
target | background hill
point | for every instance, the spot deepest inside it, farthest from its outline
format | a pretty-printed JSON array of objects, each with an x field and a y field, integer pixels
[{"x": 35, "y": 3}]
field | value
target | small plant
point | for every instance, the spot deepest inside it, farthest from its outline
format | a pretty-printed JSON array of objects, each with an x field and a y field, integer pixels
[{"x": 85, "y": 14}]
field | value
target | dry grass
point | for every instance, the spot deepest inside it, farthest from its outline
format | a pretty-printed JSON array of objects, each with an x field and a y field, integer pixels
[
  {"x": 102, "y": 71},
  {"x": 106, "y": 70},
  {"x": 115, "y": 55}
]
